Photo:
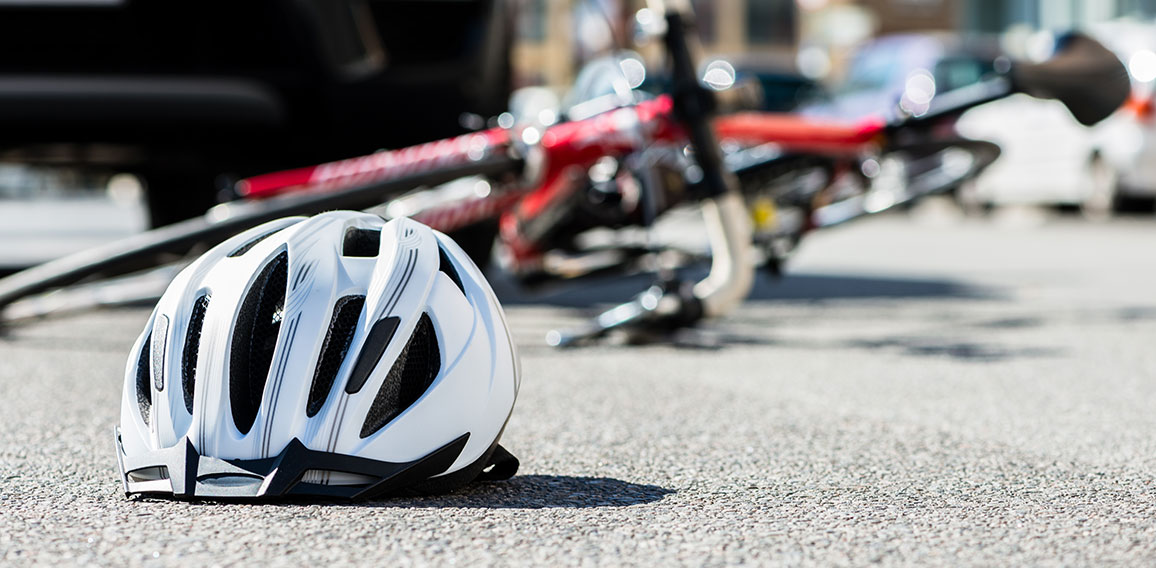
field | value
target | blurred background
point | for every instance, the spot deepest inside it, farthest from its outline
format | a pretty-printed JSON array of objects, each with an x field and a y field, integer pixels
[
  {"x": 117, "y": 115},
  {"x": 816, "y": 38}
]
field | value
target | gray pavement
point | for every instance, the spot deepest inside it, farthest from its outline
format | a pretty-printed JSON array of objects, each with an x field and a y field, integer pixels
[{"x": 960, "y": 393}]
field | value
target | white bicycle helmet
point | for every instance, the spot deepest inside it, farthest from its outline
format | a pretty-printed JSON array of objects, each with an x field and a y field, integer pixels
[{"x": 338, "y": 355}]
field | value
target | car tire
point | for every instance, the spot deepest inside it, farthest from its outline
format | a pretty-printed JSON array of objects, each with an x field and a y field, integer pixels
[
  {"x": 478, "y": 241},
  {"x": 1132, "y": 204},
  {"x": 175, "y": 194},
  {"x": 1101, "y": 203}
]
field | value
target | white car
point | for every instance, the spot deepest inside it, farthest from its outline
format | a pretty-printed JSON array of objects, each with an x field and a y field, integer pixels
[
  {"x": 1049, "y": 158},
  {"x": 1128, "y": 144},
  {"x": 1128, "y": 138}
]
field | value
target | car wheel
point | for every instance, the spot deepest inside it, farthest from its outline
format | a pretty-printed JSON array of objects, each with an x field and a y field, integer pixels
[
  {"x": 968, "y": 199},
  {"x": 1133, "y": 204},
  {"x": 176, "y": 194},
  {"x": 478, "y": 241},
  {"x": 1100, "y": 203}
]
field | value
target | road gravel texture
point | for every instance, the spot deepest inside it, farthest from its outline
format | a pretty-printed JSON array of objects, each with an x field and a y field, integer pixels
[{"x": 949, "y": 394}]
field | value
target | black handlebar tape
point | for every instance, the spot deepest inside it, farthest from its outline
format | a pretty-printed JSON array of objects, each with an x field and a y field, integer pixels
[
  {"x": 1084, "y": 75},
  {"x": 953, "y": 103}
]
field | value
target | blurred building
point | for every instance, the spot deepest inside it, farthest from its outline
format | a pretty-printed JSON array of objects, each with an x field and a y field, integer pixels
[
  {"x": 999, "y": 15},
  {"x": 556, "y": 35},
  {"x": 896, "y": 16}
]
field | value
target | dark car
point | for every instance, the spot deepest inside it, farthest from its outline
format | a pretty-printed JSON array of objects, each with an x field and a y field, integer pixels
[
  {"x": 780, "y": 88},
  {"x": 884, "y": 71},
  {"x": 783, "y": 91},
  {"x": 186, "y": 93}
]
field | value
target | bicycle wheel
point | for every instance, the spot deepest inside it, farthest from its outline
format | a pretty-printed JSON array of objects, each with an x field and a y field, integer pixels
[{"x": 151, "y": 248}]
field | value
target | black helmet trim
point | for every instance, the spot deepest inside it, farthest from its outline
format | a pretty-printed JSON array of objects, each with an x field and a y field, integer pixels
[{"x": 181, "y": 471}]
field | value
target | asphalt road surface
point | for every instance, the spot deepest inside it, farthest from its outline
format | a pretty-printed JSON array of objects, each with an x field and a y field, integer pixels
[{"x": 967, "y": 393}]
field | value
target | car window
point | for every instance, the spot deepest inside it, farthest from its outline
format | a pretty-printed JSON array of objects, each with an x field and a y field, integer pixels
[
  {"x": 954, "y": 72},
  {"x": 782, "y": 93},
  {"x": 873, "y": 70}
]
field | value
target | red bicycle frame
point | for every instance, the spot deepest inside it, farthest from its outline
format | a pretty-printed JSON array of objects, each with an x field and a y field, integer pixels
[{"x": 557, "y": 156}]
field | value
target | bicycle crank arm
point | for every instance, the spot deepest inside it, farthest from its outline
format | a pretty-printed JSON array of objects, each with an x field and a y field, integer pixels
[{"x": 663, "y": 308}]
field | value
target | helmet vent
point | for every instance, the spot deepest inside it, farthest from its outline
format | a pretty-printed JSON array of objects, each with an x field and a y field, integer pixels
[
  {"x": 144, "y": 392},
  {"x": 341, "y": 329},
  {"x": 361, "y": 242},
  {"x": 254, "y": 339},
  {"x": 448, "y": 267},
  {"x": 252, "y": 243},
  {"x": 192, "y": 349},
  {"x": 415, "y": 370},
  {"x": 157, "y": 363}
]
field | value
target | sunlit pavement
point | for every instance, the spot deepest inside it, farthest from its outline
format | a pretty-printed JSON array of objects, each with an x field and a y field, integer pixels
[{"x": 916, "y": 391}]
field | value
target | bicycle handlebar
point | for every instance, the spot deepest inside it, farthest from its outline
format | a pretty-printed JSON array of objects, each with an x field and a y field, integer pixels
[{"x": 1083, "y": 75}]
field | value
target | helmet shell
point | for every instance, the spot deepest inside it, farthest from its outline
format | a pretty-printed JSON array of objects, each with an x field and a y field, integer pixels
[{"x": 335, "y": 336}]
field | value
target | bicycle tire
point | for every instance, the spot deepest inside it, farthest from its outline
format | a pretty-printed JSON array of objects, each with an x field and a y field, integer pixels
[
  {"x": 983, "y": 153},
  {"x": 139, "y": 288},
  {"x": 934, "y": 181},
  {"x": 144, "y": 249}
]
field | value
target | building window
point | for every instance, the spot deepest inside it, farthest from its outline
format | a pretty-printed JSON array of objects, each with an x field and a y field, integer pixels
[
  {"x": 532, "y": 20},
  {"x": 771, "y": 22},
  {"x": 705, "y": 20},
  {"x": 1136, "y": 8}
]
